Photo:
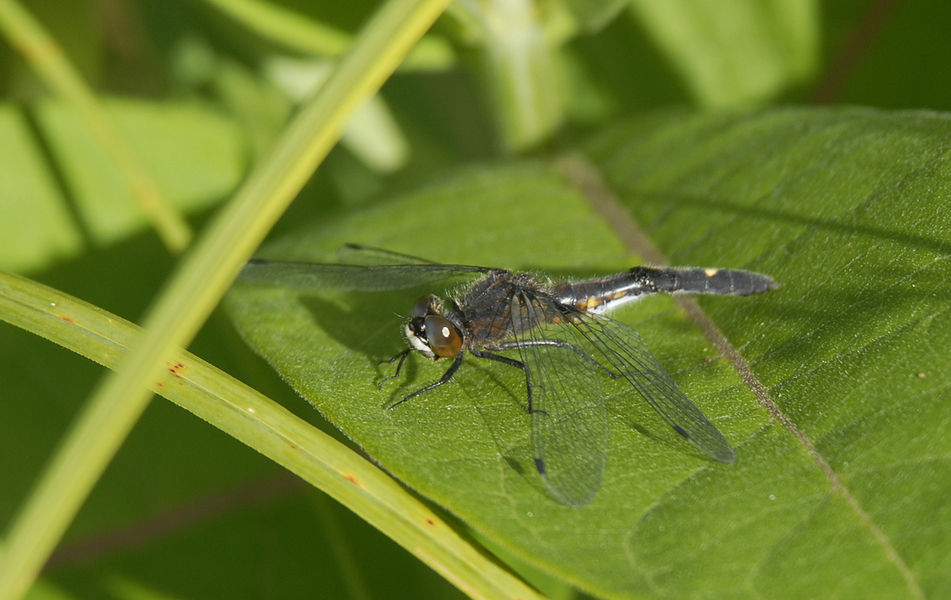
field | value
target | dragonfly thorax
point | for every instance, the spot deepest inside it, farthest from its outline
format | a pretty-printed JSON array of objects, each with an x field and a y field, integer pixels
[{"x": 430, "y": 333}]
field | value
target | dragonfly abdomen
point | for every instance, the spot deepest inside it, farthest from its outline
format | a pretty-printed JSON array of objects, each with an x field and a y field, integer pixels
[
  {"x": 703, "y": 281},
  {"x": 607, "y": 293},
  {"x": 601, "y": 295}
]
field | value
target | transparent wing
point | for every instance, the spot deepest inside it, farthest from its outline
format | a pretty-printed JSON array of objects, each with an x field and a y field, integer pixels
[
  {"x": 570, "y": 433},
  {"x": 350, "y": 277},
  {"x": 356, "y": 254},
  {"x": 621, "y": 349}
]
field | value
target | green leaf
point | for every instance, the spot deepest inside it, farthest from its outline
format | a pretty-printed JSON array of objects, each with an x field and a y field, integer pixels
[
  {"x": 195, "y": 155},
  {"x": 838, "y": 425},
  {"x": 35, "y": 225},
  {"x": 735, "y": 52},
  {"x": 847, "y": 209}
]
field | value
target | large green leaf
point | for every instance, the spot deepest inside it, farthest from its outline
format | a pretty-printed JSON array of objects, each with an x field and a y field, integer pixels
[{"x": 834, "y": 395}]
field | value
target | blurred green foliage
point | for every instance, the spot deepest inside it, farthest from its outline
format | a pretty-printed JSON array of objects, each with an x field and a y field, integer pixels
[{"x": 200, "y": 92}]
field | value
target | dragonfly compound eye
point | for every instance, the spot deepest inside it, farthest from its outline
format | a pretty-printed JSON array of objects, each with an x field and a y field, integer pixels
[
  {"x": 442, "y": 337},
  {"x": 423, "y": 306}
]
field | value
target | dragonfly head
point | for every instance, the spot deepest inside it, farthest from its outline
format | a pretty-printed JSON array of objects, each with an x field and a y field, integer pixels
[{"x": 430, "y": 333}]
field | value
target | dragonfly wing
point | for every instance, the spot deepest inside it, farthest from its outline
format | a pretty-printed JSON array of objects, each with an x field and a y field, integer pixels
[
  {"x": 570, "y": 432},
  {"x": 622, "y": 349},
  {"x": 357, "y": 254},
  {"x": 351, "y": 278}
]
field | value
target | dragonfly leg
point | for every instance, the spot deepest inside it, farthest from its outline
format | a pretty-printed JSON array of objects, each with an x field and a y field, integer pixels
[
  {"x": 399, "y": 366},
  {"x": 444, "y": 379},
  {"x": 512, "y": 363},
  {"x": 558, "y": 344}
]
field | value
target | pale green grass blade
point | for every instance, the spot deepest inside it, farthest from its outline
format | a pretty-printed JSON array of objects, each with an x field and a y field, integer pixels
[
  {"x": 200, "y": 283},
  {"x": 268, "y": 428},
  {"x": 298, "y": 32}
]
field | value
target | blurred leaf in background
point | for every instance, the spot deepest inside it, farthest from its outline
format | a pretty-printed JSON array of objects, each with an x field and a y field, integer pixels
[
  {"x": 735, "y": 52},
  {"x": 841, "y": 438}
]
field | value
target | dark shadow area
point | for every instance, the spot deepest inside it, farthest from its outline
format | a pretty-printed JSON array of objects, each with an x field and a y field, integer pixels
[
  {"x": 370, "y": 325},
  {"x": 113, "y": 277}
]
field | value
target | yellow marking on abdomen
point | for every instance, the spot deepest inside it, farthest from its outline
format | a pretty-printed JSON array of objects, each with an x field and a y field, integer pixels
[{"x": 590, "y": 302}]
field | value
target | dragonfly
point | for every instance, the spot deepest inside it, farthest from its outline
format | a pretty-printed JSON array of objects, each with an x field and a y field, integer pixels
[{"x": 557, "y": 333}]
